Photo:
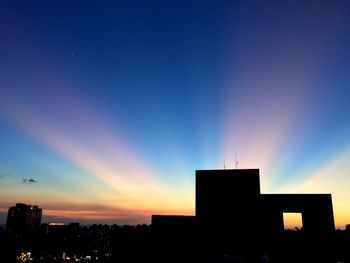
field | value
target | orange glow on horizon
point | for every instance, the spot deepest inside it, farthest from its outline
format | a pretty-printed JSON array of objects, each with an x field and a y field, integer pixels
[{"x": 127, "y": 180}]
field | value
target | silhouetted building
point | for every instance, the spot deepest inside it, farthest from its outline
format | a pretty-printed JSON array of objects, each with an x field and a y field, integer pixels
[
  {"x": 231, "y": 199},
  {"x": 170, "y": 223},
  {"x": 23, "y": 218},
  {"x": 227, "y": 201},
  {"x": 232, "y": 216},
  {"x": 316, "y": 211},
  {"x": 74, "y": 227},
  {"x": 347, "y": 227}
]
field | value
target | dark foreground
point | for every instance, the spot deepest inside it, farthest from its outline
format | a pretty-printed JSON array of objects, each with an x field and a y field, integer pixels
[{"x": 103, "y": 243}]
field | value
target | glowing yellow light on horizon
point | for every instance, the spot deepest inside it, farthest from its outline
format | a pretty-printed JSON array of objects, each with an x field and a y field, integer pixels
[{"x": 292, "y": 220}]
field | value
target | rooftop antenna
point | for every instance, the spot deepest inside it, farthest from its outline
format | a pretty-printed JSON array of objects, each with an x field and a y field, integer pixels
[{"x": 236, "y": 163}]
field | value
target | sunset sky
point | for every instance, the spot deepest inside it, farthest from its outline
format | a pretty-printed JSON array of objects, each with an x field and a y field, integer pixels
[{"x": 107, "y": 108}]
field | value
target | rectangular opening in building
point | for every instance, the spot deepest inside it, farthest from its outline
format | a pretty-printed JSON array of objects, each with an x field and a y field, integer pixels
[{"x": 292, "y": 221}]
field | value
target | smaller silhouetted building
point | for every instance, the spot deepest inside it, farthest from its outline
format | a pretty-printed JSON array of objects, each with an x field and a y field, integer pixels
[
  {"x": 23, "y": 218},
  {"x": 171, "y": 223}
]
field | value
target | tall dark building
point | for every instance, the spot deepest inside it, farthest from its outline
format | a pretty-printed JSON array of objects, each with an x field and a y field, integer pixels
[
  {"x": 227, "y": 200},
  {"x": 23, "y": 218}
]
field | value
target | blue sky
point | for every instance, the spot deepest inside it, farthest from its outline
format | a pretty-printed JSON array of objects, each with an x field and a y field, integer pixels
[{"x": 111, "y": 106}]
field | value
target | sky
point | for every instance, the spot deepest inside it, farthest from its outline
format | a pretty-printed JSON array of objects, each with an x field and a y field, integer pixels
[{"x": 107, "y": 108}]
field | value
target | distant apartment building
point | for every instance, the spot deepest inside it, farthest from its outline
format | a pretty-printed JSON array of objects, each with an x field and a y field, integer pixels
[{"x": 23, "y": 218}]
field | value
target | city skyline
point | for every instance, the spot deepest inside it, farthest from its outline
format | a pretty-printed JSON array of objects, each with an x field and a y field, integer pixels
[{"x": 107, "y": 109}]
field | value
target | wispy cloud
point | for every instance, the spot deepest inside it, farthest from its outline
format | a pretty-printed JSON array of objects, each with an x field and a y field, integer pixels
[
  {"x": 29, "y": 181},
  {"x": 2, "y": 175}
]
